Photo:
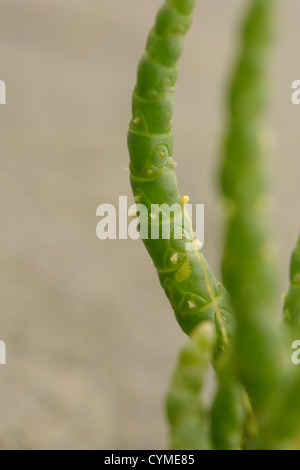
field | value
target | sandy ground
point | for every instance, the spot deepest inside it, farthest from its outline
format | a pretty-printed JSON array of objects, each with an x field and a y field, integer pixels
[{"x": 91, "y": 340}]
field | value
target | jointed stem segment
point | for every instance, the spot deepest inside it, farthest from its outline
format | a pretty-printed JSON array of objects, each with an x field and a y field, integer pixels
[{"x": 193, "y": 291}]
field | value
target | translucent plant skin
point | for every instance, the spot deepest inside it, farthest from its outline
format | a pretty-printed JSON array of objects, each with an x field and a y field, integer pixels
[{"x": 185, "y": 275}]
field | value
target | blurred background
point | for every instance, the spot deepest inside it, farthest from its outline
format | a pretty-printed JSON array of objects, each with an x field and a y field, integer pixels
[{"x": 91, "y": 339}]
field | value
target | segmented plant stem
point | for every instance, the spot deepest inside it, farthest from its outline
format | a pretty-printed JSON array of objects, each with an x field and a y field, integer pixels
[
  {"x": 186, "y": 277},
  {"x": 248, "y": 266},
  {"x": 228, "y": 414},
  {"x": 189, "y": 429}
]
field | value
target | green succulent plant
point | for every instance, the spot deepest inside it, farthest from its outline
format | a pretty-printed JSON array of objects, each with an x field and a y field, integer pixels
[{"x": 233, "y": 326}]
